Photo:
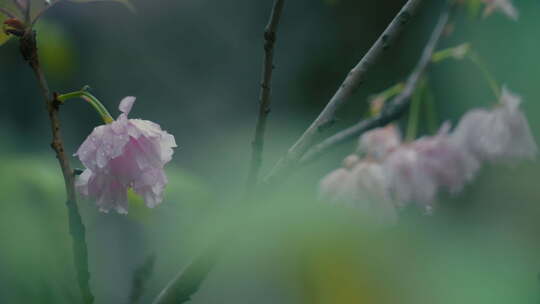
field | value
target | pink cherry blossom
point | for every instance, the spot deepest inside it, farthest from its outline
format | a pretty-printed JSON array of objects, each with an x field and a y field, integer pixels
[
  {"x": 409, "y": 179},
  {"x": 449, "y": 164},
  {"x": 418, "y": 170},
  {"x": 379, "y": 142},
  {"x": 372, "y": 196},
  {"x": 127, "y": 153},
  {"x": 502, "y": 133},
  {"x": 350, "y": 161},
  {"x": 361, "y": 187},
  {"x": 335, "y": 187}
]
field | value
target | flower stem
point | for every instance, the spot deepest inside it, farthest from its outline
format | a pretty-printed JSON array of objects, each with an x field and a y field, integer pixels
[
  {"x": 431, "y": 111},
  {"x": 92, "y": 100},
  {"x": 414, "y": 112},
  {"x": 487, "y": 75}
]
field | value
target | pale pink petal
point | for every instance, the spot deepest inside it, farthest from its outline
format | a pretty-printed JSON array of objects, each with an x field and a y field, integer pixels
[
  {"x": 362, "y": 188},
  {"x": 378, "y": 143},
  {"x": 81, "y": 182},
  {"x": 126, "y": 104},
  {"x": 500, "y": 134},
  {"x": 350, "y": 161},
  {"x": 333, "y": 185},
  {"x": 150, "y": 186},
  {"x": 408, "y": 177},
  {"x": 372, "y": 196}
]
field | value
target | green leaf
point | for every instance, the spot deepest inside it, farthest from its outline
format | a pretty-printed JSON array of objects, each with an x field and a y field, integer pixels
[
  {"x": 6, "y": 5},
  {"x": 3, "y": 37}
]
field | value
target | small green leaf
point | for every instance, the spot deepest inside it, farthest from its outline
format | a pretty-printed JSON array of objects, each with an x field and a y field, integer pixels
[
  {"x": 3, "y": 36},
  {"x": 8, "y": 7}
]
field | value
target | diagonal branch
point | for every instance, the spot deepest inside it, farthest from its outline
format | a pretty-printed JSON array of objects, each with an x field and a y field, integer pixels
[
  {"x": 395, "y": 108},
  {"x": 354, "y": 79},
  {"x": 77, "y": 230},
  {"x": 264, "y": 98}
]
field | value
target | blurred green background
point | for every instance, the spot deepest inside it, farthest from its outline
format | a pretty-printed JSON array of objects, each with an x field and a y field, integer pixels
[{"x": 194, "y": 66}]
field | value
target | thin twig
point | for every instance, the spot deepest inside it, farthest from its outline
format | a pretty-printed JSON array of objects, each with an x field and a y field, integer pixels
[
  {"x": 354, "y": 79},
  {"x": 76, "y": 227},
  {"x": 264, "y": 98},
  {"x": 395, "y": 108}
]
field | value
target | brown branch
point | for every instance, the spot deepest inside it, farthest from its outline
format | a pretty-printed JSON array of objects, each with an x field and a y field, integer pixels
[
  {"x": 354, "y": 79},
  {"x": 395, "y": 108},
  {"x": 264, "y": 98},
  {"x": 29, "y": 52}
]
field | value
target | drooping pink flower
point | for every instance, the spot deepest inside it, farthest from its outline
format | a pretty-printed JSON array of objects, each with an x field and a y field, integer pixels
[
  {"x": 350, "y": 161},
  {"x": 372, "y": 196},
  {"x": 409, "y": 179},
  {"x": 335, "y": 187},
  {"x": 418, "y": 170},
  {"x": 448, "y": 163},
  {"x": 361, "y": 187},
  {"x": 379, "y": 142},
  {"x": 502, "y": 133},
  {"x": 127, "y": 153}
]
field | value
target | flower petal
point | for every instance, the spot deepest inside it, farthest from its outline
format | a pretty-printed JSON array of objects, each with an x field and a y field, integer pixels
[{"x": 126, "y": 104}]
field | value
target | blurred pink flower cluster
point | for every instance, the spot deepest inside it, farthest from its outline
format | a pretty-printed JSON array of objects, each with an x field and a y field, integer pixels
[
  {"x": 127, "y": 153},
  {"x": 393, "y": 173}
]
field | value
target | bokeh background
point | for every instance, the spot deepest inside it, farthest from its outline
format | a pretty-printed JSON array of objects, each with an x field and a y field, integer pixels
[{"x": 194, "y": 66}]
